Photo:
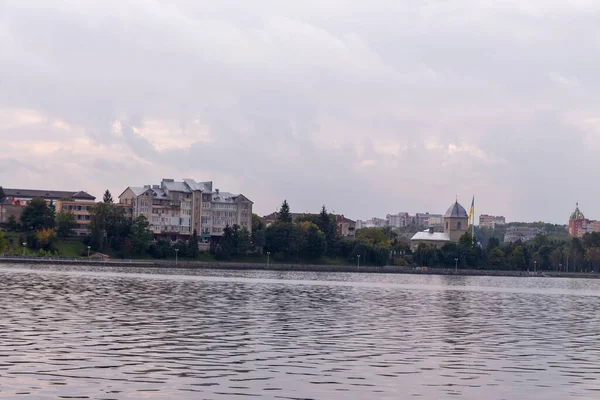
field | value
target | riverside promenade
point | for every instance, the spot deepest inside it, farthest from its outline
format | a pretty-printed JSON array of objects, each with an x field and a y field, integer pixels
[{"x": 289, "y": 267}]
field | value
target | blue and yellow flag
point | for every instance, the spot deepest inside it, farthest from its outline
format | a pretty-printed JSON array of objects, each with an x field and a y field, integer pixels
[{"x": 472, "y": 212}]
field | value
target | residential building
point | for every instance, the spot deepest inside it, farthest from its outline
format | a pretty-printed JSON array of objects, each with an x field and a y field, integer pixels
[
  {"x": 175, "y": 209},
  {"x": 522, "y": 233},
  {"x": 8, "y": 210},
  {"x": 82, "y": 212},
  {"x": 427, "y": 220},
  {"x": 490, "y": 221},
  {"x": 579, "y": 225},
  {"x": 456, "y": 224},
  {"x": 18, "y": 199},
  {"x": 22, "y": 197},
  {"x": 399, "y": 220},
  {"x": 345, "y": 227}
]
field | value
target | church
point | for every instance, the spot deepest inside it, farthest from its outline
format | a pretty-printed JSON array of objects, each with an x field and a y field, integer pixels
[{"x": 456, "y": 224}]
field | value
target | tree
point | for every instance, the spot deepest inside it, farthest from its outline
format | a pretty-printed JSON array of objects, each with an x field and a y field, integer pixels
[
  {"x": 193, "y": 244},
  {"x": 141, "y": 235},
  {"x": 284, "y": 213},
  {"x": 37, "y": 215},
  {"x": 2, "y": 195},
  {"x": 65, "y": 223},
  {"x": 107, "y": 198},
  {"x": 45, "y": 238},
  {"x": 517, "y": 258},
  {"x": 224, "y": 249},
  {"x": 2, "y": 241},
  {"x": 257, "y": 223},
  {"x": 13, "y": 225},
  {"x": 108, "y": 226},
  {"x": 497, "y": 257},
  {"x": 314, "y": 243},
  {"x": 240, "y": 240}
]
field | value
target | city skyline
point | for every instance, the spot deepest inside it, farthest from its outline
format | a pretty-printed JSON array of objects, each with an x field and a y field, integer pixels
[{"x": 366, "y": 108}]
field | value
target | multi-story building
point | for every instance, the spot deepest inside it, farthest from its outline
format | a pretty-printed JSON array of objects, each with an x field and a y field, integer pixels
[
  {"x": 490, "y": 221},
  {"x": 18, "y": 199},
  {"x": 82, "y": 211},
  {"x": 579, "y": 225},
  {"x": 399, "y": 220},
  {"x": 522, "y": 233},
  {"x": 175, "y": 209},
  {"x": 427, "y": 220},
  {"x": 22, "y": 197},
  {"x": 345, "y": 227}
]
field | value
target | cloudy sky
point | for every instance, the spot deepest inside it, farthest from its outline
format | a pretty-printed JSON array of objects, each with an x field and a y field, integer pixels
[{"x": 370, "y": 107}]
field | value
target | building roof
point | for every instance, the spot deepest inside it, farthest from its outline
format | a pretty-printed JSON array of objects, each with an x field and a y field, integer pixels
[
  {"x": 456, "y": 211},
  {"x": 575, "y": 215},
  {"x": 427, "y": 235},
  {"x": 173, "y": 186},
  {"x": 47, "y": 194},
  {"x": 201, "y": 186}
]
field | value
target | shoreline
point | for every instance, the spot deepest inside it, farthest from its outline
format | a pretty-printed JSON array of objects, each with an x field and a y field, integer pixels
[{"x": 239, "y": 266}]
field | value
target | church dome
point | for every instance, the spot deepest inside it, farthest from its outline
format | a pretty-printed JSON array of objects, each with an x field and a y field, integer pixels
[
  {"x": 456, "y": 211},
  {"x": 575, "y": 215}
]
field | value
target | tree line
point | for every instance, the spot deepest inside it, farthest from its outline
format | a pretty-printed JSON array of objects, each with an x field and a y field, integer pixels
[{"x": 542, "y": 253}]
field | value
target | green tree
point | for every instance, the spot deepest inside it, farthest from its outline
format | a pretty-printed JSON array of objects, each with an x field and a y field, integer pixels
[
  {"x": 257, "y": 223},
  {"x": 241, "y": 242},
  {"x": 13, "y": 225},
  {"x": 193, "y": 244},
  {"x": 37, "y": 215},
  {"x": 3, "y": 246},
  {"x": 497, "y": 258},
  {"x": 45, "y": 239},
  {"x": 426, "y": 255},
  {"x": 2, "y": 195},
  {"x": 517, "y": 258},
  {"x": 65, "y": 223},
  {"x": 107, "y": 198},
  {"x": 314, "y": 243},
  {"x": 284, "y": 213},
  {"x": 108, "y": 226},
  {"x": 141, "y": 235},
  {"x": 224, "y": 249}
]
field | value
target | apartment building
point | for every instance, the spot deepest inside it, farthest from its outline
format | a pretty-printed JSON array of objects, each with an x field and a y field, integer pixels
[
  {"x": 399, "y": 220},
  {"x": 490, "y": 221},
  {"x": 175, "y": 209},
  {"x": 22, "y": 197},
  {"x": 18, "y": 199},
  {"x": 82, "y": 211}
]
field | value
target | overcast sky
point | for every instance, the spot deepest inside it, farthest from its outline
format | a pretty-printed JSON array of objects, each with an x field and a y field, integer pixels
[{"x": 370, "y": 107}]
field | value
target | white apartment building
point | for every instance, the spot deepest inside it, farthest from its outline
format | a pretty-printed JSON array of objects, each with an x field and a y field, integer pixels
[{"x": 175, "y": 209}]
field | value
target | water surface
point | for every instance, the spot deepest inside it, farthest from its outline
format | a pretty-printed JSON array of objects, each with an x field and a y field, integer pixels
[{"x": 118, "y": 333}]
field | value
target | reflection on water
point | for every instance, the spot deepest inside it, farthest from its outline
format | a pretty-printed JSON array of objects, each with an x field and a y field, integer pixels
[{"x": 159, "y": 334}]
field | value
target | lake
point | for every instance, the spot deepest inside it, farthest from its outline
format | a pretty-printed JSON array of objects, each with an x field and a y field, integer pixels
[{"x": 128, "y": 333}]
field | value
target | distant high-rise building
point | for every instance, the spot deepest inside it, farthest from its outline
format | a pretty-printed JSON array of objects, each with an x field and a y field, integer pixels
[{"x": 490, "y": 221}]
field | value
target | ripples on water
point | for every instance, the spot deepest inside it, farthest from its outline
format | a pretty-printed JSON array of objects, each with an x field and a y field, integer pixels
[{"x": 84, "y": 333}]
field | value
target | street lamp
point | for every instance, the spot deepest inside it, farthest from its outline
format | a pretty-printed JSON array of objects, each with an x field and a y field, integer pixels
[
  {"x": 560, "y": 267},
  {"x": 456, "y": 265},
  {"x": 535, "y": 267},
  {"x": 89, "y": 247},
  {"x": 268, "y": 256},
  {"x": 358, "y": 260},
  {"x": 176, "y": 253},
  {"x": 24, "y": 246}
]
